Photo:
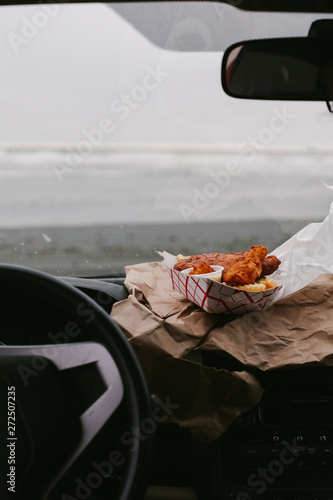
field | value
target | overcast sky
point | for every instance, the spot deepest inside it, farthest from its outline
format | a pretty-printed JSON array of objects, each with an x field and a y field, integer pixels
[{"x": 67, "y": 69}]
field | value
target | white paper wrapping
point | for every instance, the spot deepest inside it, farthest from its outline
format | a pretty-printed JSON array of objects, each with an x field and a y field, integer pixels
[{"x": 306, "y": 255}]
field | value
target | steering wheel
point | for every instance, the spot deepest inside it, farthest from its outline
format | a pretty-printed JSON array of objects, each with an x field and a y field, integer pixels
[{"x": 73, "y": 396}]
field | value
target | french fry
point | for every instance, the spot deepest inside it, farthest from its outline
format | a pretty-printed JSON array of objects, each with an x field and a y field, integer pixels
[{"x": 263, "y": 284}]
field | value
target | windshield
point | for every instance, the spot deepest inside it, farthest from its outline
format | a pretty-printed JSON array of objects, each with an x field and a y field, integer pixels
[{"x": 117, "y": 140}]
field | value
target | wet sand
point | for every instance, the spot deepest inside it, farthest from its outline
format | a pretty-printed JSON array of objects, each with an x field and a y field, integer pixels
[{"x": 98, "y": 250}]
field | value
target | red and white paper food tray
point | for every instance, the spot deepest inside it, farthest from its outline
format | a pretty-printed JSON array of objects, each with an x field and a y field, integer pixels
[{"x": 215, "y": 297}]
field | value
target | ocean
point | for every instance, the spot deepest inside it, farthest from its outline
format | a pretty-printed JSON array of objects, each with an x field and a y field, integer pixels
[{"x": 72, "y": 212}]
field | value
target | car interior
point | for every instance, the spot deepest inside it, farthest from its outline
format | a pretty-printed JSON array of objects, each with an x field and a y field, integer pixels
[{"x": 129, "y": 129}]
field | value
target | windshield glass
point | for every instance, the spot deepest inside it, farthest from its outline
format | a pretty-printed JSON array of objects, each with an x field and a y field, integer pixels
[{"x": 117, "y": 140}]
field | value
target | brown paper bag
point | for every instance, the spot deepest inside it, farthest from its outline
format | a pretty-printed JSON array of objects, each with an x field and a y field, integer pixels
[
  {"x": 296, "y": 330},
  {"x": 163, "y": 327}
]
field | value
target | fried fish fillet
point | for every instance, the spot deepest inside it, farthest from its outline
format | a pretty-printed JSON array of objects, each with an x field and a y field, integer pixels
[
  {"x": 211, "y": 259},
  {"x": 227, "y": 260},
  {"x": 247, "y": 269}
]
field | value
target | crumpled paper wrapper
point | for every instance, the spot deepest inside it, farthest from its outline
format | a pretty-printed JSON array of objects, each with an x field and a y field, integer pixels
[
  {"x": 296, "y": 330},
  {"x": 306, "y": 255},
  {"x": 163, "y": 326}
]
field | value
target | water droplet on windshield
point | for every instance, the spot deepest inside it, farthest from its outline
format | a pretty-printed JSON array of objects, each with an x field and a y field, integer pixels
[{"x": 46, "y": 238}]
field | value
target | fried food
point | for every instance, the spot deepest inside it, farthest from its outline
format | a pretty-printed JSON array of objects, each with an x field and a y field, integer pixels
[
  {"x": 258, "y": 286},
  {"x": 201, "y": 268},
  {"x": 240, "y": 269},
  {"x": 270, "y": 264},
  {"x": 211, "y": 259},
  {"x": 248, "y": 269}
]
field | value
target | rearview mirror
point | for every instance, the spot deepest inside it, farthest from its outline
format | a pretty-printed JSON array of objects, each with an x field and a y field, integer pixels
[{"x": 298, "y": 69}]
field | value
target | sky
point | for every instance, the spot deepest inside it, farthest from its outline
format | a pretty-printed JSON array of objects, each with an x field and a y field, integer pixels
[{"x": 72, "y": 73}]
